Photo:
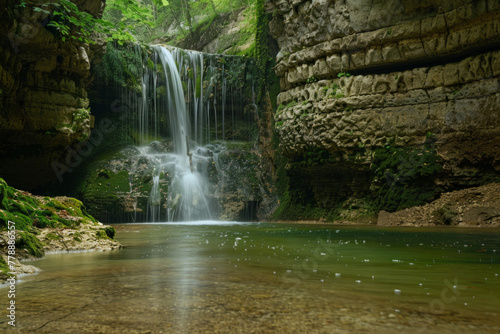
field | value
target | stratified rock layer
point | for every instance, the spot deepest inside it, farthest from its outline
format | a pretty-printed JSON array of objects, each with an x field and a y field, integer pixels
[
  {"x": 358, "y": 75},
  {"x": 43, "y": 97}
]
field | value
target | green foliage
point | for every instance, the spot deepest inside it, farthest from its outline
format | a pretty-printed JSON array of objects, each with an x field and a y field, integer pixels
[
  {"x": 343, "y": 74},
  {"x": 336, "y": 92},
  {"x": 127, "y": 20},
  {"x": 81, "y": 116},
  {"x": 312, "y": 79},
  {"x": 282, "y": 107},
  {"x": 122, "y": 65},
  {"x": 404, "y": 177},
  {"x": 338, "y": 95},
  {"x": 68, "y": 21}
]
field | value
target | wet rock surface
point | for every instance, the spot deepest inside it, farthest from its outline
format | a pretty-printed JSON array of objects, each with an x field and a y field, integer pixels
[
  {"x": 43, "y": 93},
  {"x": 358, "y": 76},
  {"x": 118, "y": 188}
]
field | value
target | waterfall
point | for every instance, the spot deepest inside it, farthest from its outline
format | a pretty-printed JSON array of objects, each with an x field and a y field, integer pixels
[{"x": 183, "y": 98}]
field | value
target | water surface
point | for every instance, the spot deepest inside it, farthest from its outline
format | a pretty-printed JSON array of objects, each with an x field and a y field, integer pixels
[{"x": 210, "y": 277}]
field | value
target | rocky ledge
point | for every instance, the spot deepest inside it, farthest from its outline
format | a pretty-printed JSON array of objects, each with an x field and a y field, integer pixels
[
  {"x": 472, "y": 207},
  {"x": 37, "y": 225}
]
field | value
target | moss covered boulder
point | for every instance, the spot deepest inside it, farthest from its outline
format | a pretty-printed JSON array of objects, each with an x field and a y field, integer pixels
[{"x": 46, "y": 224}]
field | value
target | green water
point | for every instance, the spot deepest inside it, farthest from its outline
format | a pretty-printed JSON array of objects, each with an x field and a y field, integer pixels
[{"x": 269, "y": 278}]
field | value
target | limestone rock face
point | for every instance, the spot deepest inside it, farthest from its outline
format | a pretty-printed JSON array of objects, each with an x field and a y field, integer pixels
[
  {"x": 43, "y": 97},
  {"x": 357, "y": 75}
]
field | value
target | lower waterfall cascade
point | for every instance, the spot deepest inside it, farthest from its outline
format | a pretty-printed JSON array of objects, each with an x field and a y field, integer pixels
[{"x": 186, "y": 98}]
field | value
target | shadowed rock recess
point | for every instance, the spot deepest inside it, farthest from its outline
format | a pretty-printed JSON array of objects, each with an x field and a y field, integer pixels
[
  {"x": 363, "y": 81},
  {"x": 43, "y": 94}
]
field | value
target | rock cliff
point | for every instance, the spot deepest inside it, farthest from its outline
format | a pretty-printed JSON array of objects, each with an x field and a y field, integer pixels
[
  {"x": 43, "y": 92},
  {"x": 362, "y": 76}
]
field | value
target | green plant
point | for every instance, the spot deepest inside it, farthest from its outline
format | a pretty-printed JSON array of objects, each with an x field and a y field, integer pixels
[
  {"x": 81, "y": 116},
  {"x": 278, "y": 124},
  {"x": 122, "y": 64},
  {"x": 282, "y": 107},
  {"x": 69, "y": 22},
  {"x": 389, "y": 31},
  {"x": 312, "y": 79},
  {"x": 343, "y": 74}
]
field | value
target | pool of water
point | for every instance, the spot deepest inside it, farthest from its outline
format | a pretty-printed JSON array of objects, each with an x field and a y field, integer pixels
[{"x": 212, "y": 277}]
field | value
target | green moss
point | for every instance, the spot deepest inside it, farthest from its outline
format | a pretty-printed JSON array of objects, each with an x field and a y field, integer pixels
[
  {"x": 53, "y": 236},
  {"x": 282, "y": 107},
  {"x": 4, "y": 200},
  {"x": 110, "y": 232},
  {"x": 99, "y": 189},
  {"x": 404, "y": 177},
  {"x": 101, "y": 234},
  {"x": 56, "y": 205},
  {"x": 31, "y": 243},
  {"x": 27, "y": 211},
  {"x": 4, "y": 269}
]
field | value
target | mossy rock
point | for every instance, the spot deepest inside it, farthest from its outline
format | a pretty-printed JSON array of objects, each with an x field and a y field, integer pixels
[
  {"x": 110, "y": 232},
  {"x": 31, "y": 243},
  {"x": 101, "y": 234},
  {"x": 100, "y": 191},
  {"x": 4, "y": 269},
  {"x": 52, "y": 236},
  {"x": 403, "y": 177},
  {"x": 27, "y": 211},
  {"x": 445, "y": 214},
  {"x": 4, "y": 203}
]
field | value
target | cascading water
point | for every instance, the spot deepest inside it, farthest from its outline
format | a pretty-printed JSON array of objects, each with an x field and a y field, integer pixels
[{"x": 183, "y": 98}]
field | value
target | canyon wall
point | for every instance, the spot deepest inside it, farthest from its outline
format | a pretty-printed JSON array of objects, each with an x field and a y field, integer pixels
[
  {"x": 43, "y": 92},
  {"x": 359, "y": 76}
]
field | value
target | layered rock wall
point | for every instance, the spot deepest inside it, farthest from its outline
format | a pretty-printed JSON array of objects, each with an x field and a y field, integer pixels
[
  {"x": 357, "y": 75},
  {"x": 43, "y": 92}
]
